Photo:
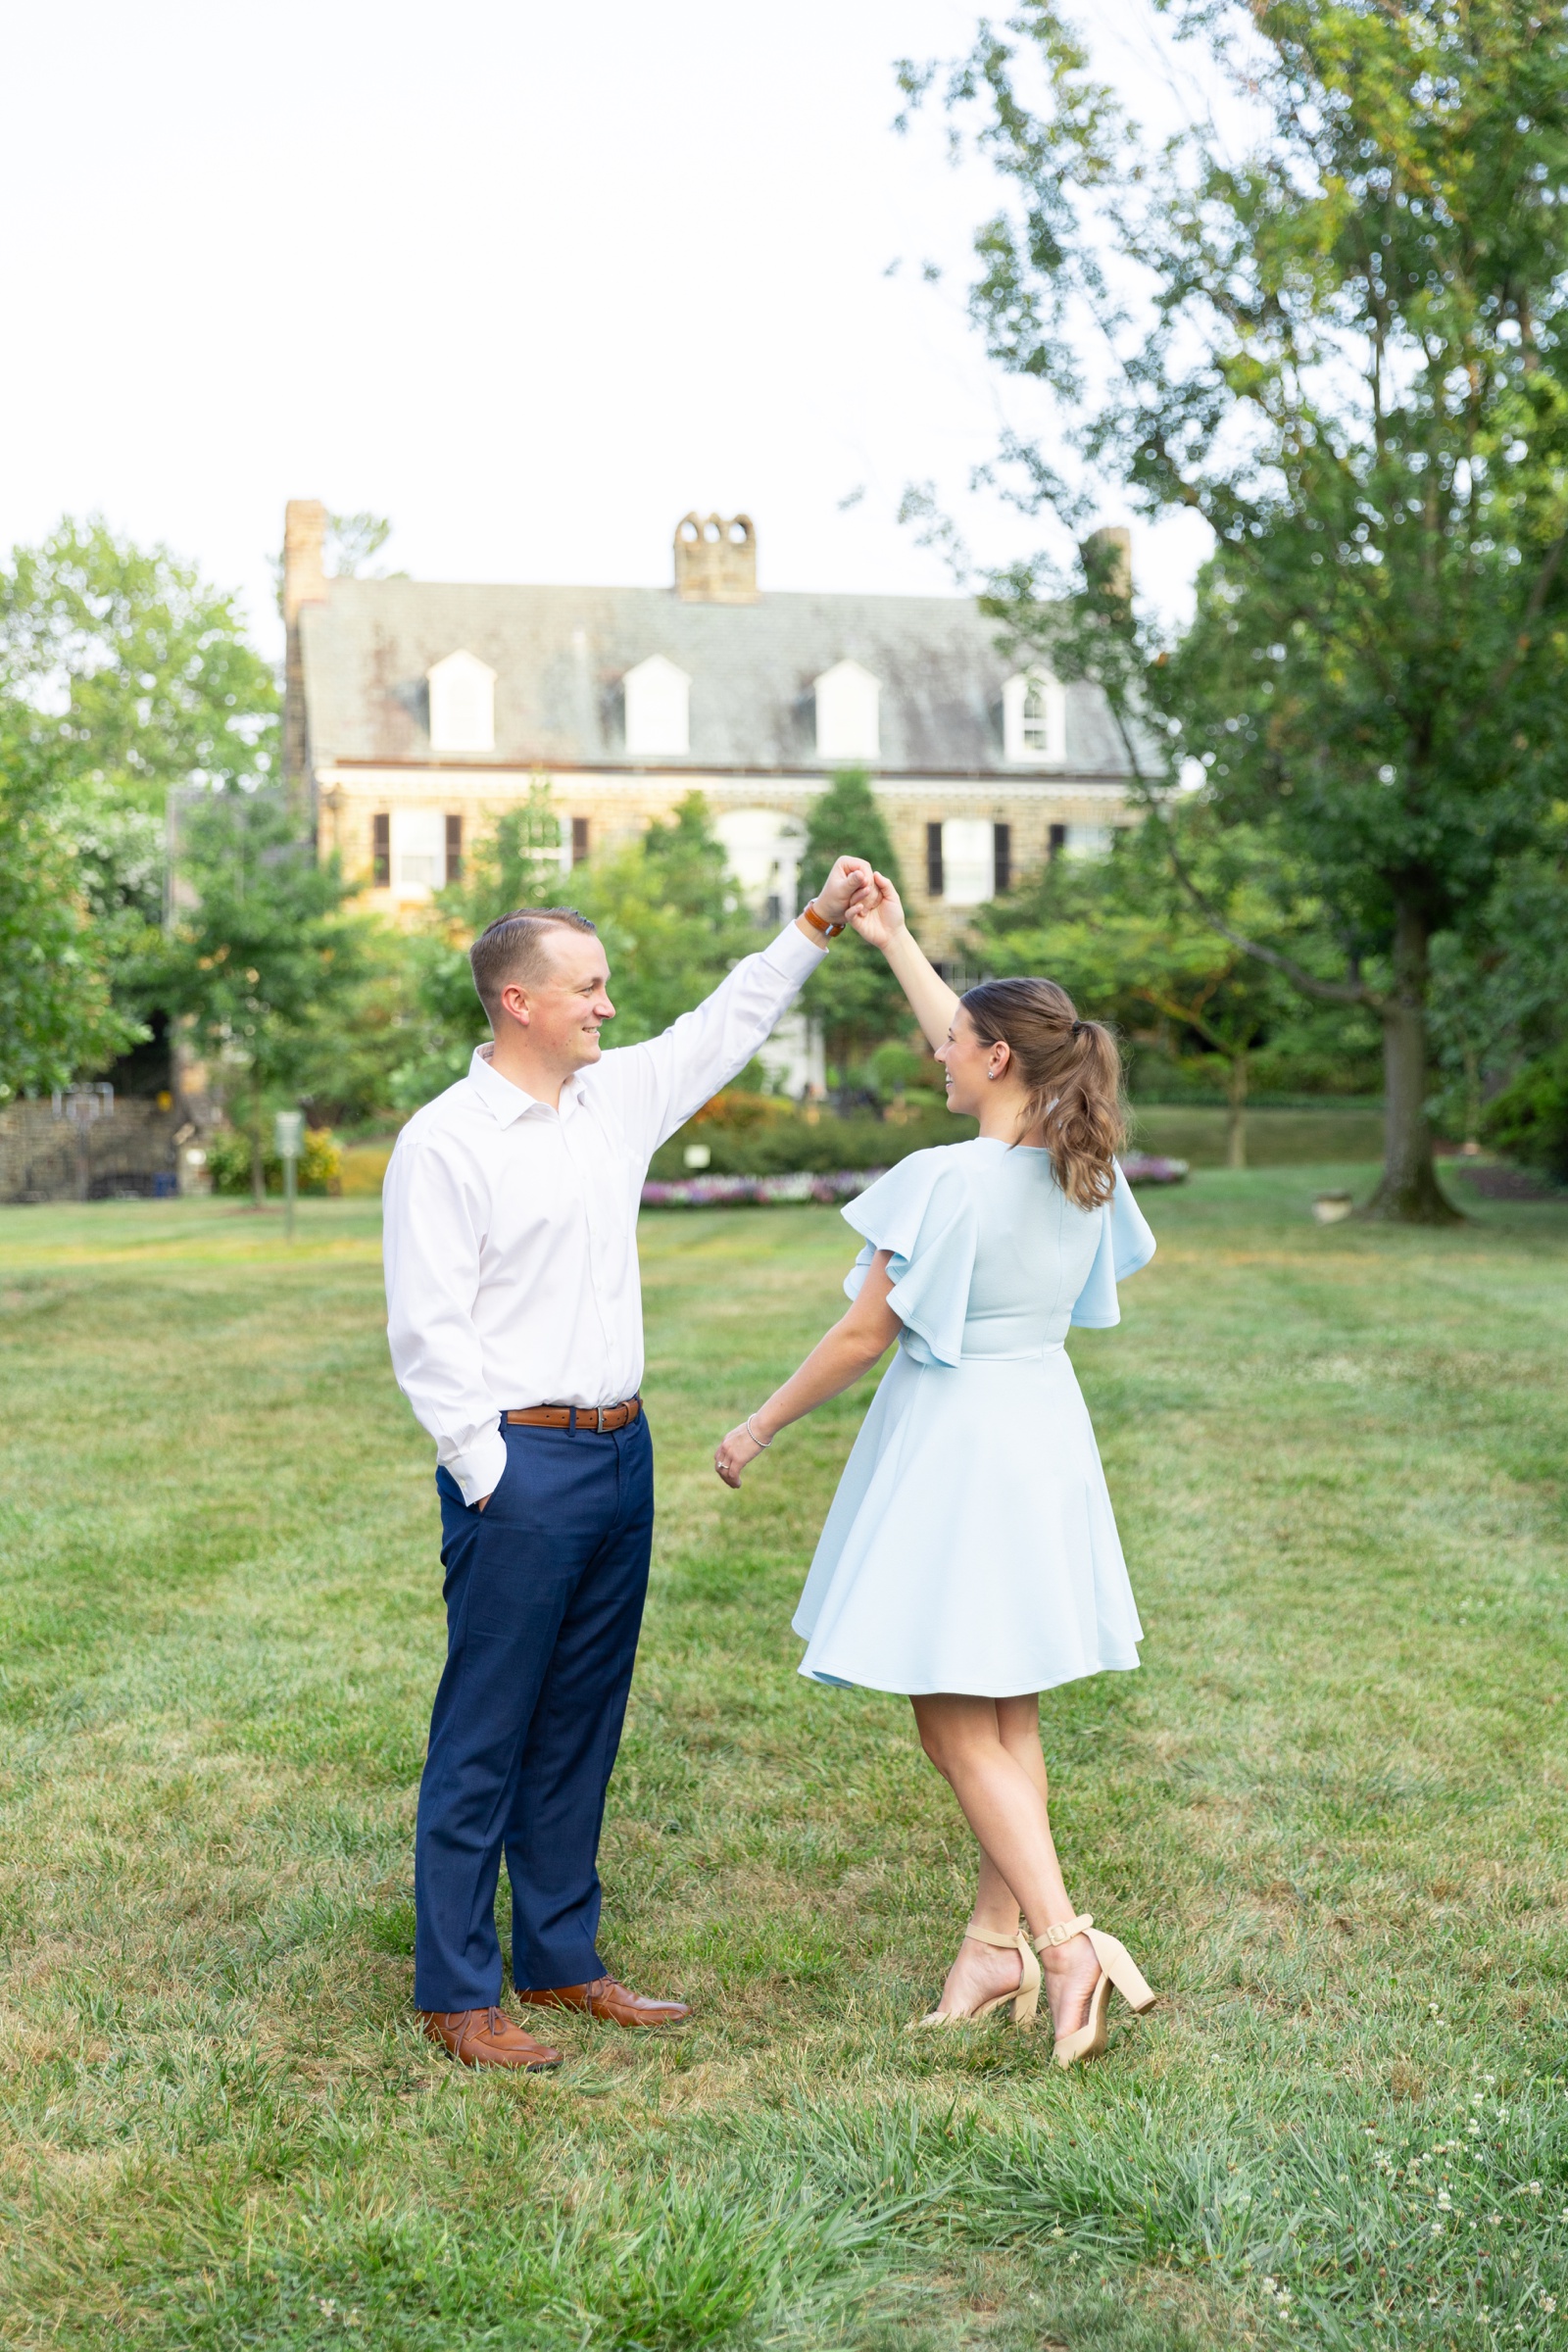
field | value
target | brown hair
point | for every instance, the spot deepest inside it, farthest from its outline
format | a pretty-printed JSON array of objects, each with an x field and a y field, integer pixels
[
  {"x": 1073, "y": 1072},
  {"x": 512, "y": 952}
]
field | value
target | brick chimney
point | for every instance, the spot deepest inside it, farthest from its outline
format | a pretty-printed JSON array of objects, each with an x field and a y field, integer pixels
[
  {"x": 715, "y": 560},
  {"x": 1108, "y": 559},
  {"x": 304, "y": 583}
]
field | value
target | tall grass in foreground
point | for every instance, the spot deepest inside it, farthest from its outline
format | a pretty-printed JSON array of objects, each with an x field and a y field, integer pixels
[{"x": 1328, "y": 1815}]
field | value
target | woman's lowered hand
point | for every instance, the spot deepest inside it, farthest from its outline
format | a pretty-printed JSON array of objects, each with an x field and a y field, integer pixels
[{"x": 736, "y": 1450}]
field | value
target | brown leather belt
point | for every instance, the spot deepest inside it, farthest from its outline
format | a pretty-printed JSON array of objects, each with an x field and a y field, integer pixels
[{"x": 603, "y": 1417}]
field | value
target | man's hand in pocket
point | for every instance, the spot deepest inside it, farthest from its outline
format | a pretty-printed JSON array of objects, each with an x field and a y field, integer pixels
[{"x": 483, "y": 1499}]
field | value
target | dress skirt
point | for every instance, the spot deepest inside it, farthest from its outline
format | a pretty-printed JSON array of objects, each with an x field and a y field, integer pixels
[{"x": 971, "y": 1546}]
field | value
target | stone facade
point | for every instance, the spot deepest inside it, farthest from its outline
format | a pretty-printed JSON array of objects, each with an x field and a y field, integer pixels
[
  {"x": 127, "y": 1155},
  {"x": 417, "y": 711}
]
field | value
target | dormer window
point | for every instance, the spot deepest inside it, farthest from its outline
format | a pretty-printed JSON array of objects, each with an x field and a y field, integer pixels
[
  {"x": 849, "y": 722},
  {"x": 463, "y": 705},
  {"x": 1034, "y": 714},
  {"x": 658, "y": 710}
]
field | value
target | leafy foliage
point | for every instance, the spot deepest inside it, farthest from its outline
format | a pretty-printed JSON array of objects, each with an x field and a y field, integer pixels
[
  {"x": 668, "y": 916},
  {"x": 137, "y": 669},
  {"x": 57, "y": 1015},
  {"x": 230, "y": 1166},
  {"x": 260, "y": 950},
  {"x": 1348, "y": 352},
  {"x": 1123, "y": 937},
  {"x": 664, "y": 907},
  {"x": 853, "y": 993}
]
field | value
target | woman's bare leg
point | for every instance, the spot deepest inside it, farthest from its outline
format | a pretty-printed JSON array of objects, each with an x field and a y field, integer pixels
[{"x": 988, "y": 1750}]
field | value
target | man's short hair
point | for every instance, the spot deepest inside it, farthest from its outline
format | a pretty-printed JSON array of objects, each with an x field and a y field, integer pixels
[{"x": 514, "y": 951}]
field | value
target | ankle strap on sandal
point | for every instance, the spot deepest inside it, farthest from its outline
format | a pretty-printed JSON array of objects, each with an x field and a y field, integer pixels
[
  {"x": 1063, "y": 1932},
  {"x": 1003, "y": 1944}
]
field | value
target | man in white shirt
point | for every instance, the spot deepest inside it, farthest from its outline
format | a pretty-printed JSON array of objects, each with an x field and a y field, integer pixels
[{"x": 515, "y": 1316}]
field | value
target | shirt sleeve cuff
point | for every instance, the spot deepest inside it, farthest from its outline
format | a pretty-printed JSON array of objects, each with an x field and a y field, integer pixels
[
  {"x": 478, "y": 1468},
  {"x": 793, "y": 954}
]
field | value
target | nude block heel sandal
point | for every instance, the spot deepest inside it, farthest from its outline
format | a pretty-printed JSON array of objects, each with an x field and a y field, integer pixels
[
  {"x": 1025, "y": 2000},
  {"x": 1116, "y": 1967}
]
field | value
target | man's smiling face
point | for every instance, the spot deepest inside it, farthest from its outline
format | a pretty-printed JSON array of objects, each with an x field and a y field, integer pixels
[{"x": 563, "y": 1011}]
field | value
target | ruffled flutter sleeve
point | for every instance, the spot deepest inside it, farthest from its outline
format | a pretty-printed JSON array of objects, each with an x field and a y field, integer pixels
[
  {"x": 920, "y": 1211},
  {"x": 1125, "y": 1245}
]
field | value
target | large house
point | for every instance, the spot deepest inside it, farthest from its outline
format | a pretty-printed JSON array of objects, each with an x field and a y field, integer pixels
[{"x": 417, "y": 710}]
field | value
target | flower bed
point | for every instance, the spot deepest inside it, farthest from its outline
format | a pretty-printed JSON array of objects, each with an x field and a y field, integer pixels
[{"x": 842, "y": 1184}]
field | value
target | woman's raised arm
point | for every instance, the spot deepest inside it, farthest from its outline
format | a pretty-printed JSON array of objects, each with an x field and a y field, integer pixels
[{"x": 881, "y": 924}]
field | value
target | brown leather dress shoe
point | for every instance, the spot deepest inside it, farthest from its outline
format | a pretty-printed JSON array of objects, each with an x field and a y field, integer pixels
[
  {"x": 605, "y": 1997},
  {"x": 487, "y": 2037}
]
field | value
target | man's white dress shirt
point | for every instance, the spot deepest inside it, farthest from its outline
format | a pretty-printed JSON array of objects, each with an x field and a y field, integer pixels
[{"x": 510, "y": 1228}]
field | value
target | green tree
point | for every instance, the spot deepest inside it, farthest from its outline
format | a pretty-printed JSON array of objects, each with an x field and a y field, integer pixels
[
  {"x": 256, "y": 954},
  {"x": 516, "y": 864},
  {"x": 1122, "y": 937},
  {"x": 138, "y": 668},
  {"x": 1345, "y": 350},
  {"x": 57, "y": 1015},
  {"x": 664, "y": 904},
  {"x": 670, "y": 919},
  {"x": 853, "y": 993}
]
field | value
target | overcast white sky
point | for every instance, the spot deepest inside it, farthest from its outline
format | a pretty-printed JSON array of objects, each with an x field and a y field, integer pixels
[{"x": 531, "y": 281}]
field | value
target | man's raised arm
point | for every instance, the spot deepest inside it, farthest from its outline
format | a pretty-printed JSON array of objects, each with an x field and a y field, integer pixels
[{"x": 658, "y": 1085}]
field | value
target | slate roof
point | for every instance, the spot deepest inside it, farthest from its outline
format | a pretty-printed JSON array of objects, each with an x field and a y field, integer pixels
[{"x": 559, "y": 655}]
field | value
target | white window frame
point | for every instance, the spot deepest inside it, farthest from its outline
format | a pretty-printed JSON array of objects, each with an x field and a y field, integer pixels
[
  {"x": 849, "y": 714},
  {"x": 659, "y": 711},
  {"x": 463, "y": 704},
  {"x": 419, "y": 850},
  {"x": 1016, "y": 722},
  {"x": 764, "y": 849},
  {"x": 968, "y": 861}
]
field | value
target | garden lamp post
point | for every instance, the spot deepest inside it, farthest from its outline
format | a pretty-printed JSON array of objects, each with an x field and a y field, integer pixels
[{"x": 289, "y": 1130}]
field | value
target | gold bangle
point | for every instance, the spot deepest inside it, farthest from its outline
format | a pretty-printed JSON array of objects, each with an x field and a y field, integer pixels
[{"x": 819, "y": 922}]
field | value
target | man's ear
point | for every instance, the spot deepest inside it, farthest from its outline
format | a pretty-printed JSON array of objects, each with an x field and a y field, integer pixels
[{"x": 515, "y": 1004}]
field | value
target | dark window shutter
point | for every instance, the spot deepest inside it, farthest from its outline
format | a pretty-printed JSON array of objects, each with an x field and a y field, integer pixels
[
  {"x": 932, "y": 861},
  {"x": 454, "y": 848},
  {"x": 579, "y": 839},
  {"x": 381, "y": 851},
  {"x": 1002, "y": 859},
  {"x": 1059, "y": 839}
]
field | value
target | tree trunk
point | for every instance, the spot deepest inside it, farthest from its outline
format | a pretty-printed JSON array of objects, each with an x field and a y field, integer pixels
[
  {"x": 257, "y": 1166},
  {"x": 1236, "y": 1111},
  {"x": 1408, "y": 1193}
]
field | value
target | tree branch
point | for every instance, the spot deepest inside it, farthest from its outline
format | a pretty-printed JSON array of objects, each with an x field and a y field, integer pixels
[{"x": 1331, "y": 992}]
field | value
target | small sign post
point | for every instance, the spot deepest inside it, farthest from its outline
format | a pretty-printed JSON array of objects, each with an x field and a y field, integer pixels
[{"x": 290, "y": 1135}]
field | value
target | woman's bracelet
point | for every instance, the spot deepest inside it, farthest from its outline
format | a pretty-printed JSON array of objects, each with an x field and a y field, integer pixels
[{"x": 765, "y": 1442}]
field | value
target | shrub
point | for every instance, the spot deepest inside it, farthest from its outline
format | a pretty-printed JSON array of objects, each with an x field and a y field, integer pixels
[
  {"x": 1528, "y": 1119},
  {"x": 228, "y": 1163},
  {"x": 791, "y": 1141}
]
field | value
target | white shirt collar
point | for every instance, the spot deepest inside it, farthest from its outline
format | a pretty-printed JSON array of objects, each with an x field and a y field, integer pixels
[{"x": 504, "y": 1102}]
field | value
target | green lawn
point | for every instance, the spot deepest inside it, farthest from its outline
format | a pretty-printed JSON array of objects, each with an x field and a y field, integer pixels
[{"x": 1328, "y": 1816}]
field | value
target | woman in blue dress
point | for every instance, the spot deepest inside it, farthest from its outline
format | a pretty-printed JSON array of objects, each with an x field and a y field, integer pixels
[{"x": 970, "y": 1556}]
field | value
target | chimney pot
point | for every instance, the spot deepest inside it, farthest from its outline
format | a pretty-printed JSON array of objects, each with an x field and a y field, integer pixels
[{"x": 715, "y": 560}]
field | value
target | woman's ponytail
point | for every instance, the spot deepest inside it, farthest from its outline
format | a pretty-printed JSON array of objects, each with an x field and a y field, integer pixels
[{"x": 1072, "y": 1070}]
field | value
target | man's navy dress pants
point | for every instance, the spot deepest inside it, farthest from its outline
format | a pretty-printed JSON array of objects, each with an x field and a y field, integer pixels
[{"x": 544, "y": 1593}]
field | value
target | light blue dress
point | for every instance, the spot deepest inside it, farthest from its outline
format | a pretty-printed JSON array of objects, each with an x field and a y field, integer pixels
[{"x": 971, "y": 1545}]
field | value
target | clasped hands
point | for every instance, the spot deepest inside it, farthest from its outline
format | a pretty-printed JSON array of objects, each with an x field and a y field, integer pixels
[{"x": 855, "y": 893}]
